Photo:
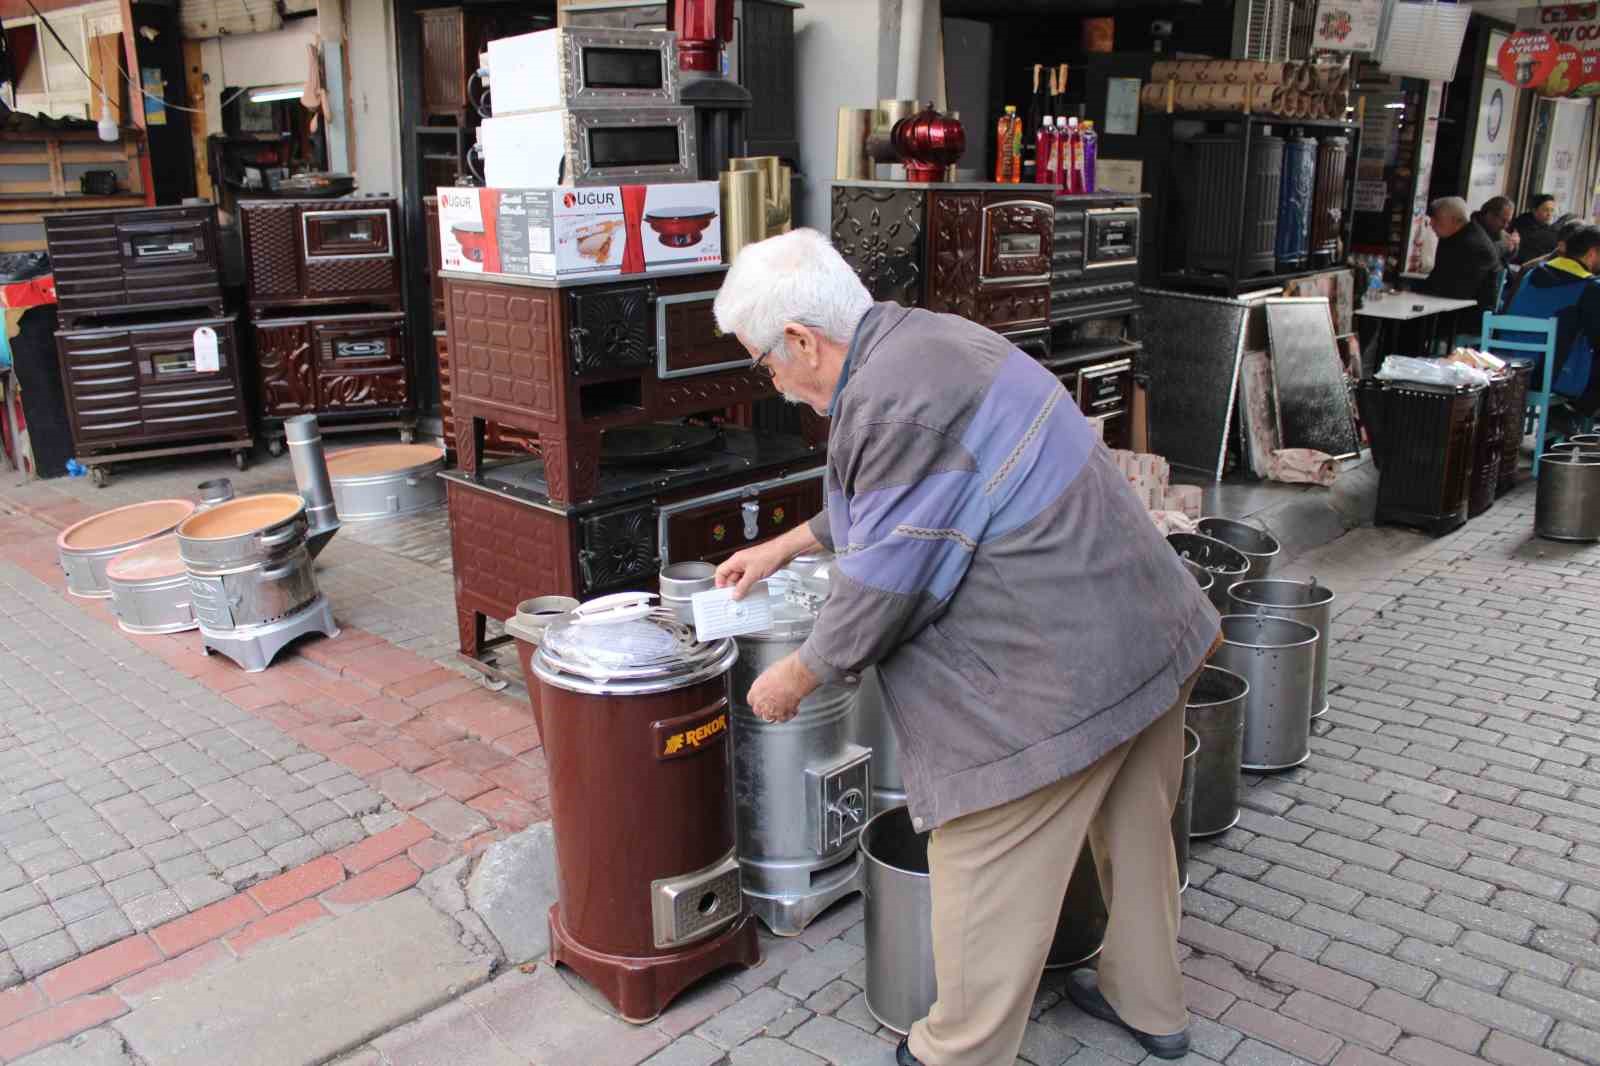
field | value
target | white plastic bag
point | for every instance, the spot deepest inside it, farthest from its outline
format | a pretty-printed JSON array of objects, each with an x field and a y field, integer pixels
[{"x": 1430, "y": 371}]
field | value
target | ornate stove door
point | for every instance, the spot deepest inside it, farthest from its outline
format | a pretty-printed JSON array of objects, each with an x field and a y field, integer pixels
[
  {"x": 286, "y": 367},
  {"x": 348, "y": 251},
  {"x": 611, "y": 328},
  {"x": 1017, "y": 240},
  {"x": 361, "y": 362},
  {"x": 617, "y": 548},
  {"x": 880, "y": 234}
]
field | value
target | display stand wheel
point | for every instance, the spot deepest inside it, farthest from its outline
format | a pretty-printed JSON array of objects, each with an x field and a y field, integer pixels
[
  {"x": 274, "y": 446},
  {"x": 408, "y": 434},
  {"x": 241, "y": 459},
  {"x": 100, "y": 475}
]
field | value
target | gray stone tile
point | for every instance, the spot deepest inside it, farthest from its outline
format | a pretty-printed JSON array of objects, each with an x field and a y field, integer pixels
[{"x": 98, "y": 930}]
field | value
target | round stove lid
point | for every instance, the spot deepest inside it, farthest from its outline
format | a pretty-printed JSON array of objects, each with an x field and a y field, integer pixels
[{"x": 624, "y": 638}]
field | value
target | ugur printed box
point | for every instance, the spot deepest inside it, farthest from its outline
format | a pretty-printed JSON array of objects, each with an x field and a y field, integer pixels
[{"x": 580, "y": 232}]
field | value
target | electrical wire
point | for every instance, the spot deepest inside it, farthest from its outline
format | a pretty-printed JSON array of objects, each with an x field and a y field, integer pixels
[{"x": 125, "y": 75}]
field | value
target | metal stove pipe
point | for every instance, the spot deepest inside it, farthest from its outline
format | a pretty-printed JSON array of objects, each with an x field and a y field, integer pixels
[
  {"x": 311, "y": 479},
  {"x": 215, "y": 491}
]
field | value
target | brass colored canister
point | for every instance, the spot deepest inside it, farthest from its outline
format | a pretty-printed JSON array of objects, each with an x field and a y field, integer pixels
[
  {"x": 744, "y": 216},
  {"x": 850, "y": 162}
]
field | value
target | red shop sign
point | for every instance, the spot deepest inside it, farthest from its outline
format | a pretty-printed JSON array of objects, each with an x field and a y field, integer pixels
[
  {"x": 1527, "y": 58},
  {"x": 1589, "y": 65},
  {"x": 1567, "y": 73}
]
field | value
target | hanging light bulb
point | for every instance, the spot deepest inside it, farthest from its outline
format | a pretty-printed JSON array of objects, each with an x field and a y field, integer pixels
[{"x": 106, "y": 127}]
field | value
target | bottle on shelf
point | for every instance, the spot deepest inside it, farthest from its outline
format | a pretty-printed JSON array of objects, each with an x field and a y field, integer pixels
[
  {"x": 1044, "y": 150},
  {"x": 1063, "y": 154},
  {"x": 1036, "y": 108},
  {"x": 1008, "y": 138},
  {"x": 1091, "y": 148},
  {"x": 1074, "y": 157}
]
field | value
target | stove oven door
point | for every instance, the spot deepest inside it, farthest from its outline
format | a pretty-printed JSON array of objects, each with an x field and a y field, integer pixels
[
  {"x": 617, "y": 549},
  {"x": 688, "y": 341},
  {"x": 1018, "y": 238},
  {"x": 348, "y": 252},
  {"x": 1111, "y": 237},
  {"x": 711, "y": 528},
  {"x": 156, "y": 246},
  {"x": 361, "y": 361},
  {"x": 611, "y": 328}
]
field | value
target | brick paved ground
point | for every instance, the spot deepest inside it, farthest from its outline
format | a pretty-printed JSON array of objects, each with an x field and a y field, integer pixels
[{"x": 1425, "y": 891}]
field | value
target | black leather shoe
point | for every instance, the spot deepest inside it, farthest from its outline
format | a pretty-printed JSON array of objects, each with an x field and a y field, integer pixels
[
  {"x": 1083, "y": 988},
  {"x": 903, "y": 1055}
]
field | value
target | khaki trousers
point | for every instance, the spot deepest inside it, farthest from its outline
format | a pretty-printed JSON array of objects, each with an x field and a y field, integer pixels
[{"x": 998, "y": 878}]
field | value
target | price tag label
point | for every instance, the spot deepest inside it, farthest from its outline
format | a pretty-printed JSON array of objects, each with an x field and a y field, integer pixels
[
  {"x": 717, "y": 614},
  {"x": 206, "y": 360}
]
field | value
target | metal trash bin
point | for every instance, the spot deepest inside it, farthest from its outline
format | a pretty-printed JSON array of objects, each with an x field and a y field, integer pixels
[
  {"x": 901, "y": 983},
  {"x": 679, "y": 582},
  {"x": 1257, "y": 545},
  {"x": 1226, "y": 563},
  {"x": 1302, "y": 601},
  {"x": 1215, "y": 712},
  {"x": 1568, "y": 504},
  {"x": 874, "y": 731},
  {"x": 1081, "y": 926},
  {"x": 1183, "y": 810},
  {"x": 1206, "y": 578},
  {"x": 1277, "y": 657}
]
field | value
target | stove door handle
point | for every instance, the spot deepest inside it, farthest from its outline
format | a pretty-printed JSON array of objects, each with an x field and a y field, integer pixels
[{"x": 751, "y": 510}]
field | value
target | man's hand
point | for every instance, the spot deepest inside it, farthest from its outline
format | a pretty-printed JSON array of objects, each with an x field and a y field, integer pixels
[
  {"x": 1513, "y": 239},
  {"x": 744, "y": 568},
  {"x": 776, "y": 694}
]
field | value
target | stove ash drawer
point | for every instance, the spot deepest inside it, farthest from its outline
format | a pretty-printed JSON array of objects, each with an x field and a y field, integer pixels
[
  {"x": 711, "y": 528},
  {"x": 617, "y": 548}
]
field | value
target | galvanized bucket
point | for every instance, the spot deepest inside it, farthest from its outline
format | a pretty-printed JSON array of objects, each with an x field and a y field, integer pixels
[
  {"x": 901, "y": 983},
  {"x": 874, "y": 731},
  {"x": 1277, "y": 657},
  {"x": 1257, "y": 545},
  {"x": 1081, "y": 926},
  {"x": 1183, "y": 810},
  {"x": 1568, "y": 504},
  {"x": 1205, "y": 577},
  {"x": 679, "y": 583},
  {"x": 1303, "y": 601},
  {"x": 1226, "y": 563},
  {"x": 1215, "y": 712}
]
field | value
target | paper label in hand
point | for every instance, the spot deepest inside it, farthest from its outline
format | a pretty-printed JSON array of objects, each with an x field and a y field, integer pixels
[
  {"x": 206, "y": 360},
  {"x": 717, "y": 614}
]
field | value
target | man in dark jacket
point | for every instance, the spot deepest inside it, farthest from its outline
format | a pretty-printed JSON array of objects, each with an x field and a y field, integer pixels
[
  {"x": 1035, "y": 639},
  {"x": 1495, "y": 218},
  {"x": 1565, "y": 289},
  {"x": 1467, "y": 264}
]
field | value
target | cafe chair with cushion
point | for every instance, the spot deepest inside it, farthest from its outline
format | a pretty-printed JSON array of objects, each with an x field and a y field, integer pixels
[{"x": 1511, "y": 347}]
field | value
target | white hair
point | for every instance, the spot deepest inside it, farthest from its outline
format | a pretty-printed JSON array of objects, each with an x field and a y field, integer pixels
[
  {"x": 793, "y": 277},
  {"x": 1454, "y": 206}
]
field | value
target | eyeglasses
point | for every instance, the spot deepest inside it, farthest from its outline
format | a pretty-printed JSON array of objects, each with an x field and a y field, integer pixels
[{"x": 760, "y": 364}]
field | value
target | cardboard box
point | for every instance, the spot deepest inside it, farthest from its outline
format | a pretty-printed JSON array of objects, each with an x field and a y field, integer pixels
[{"x": 600, "y": 231}]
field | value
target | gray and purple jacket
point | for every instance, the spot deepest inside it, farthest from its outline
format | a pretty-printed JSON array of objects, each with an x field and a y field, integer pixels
[{"x": 1024, "y": 613}]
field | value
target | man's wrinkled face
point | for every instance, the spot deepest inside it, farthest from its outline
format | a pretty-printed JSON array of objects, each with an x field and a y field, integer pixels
[
  {"x": 1496, "y": 222},
  {"x": 1445, "y": 224},
  {"x": 792, "y": 365}
]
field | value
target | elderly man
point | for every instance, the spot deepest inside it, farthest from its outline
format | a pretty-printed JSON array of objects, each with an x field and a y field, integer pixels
[
  {"x": 1467, "y": 264},
  {"x": 1495, "y": 218},
  {"x": 1035, "y": 636}
]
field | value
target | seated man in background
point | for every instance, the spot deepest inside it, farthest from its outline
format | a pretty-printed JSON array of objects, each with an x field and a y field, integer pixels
[
  {"x": 1495, "y": 218},
  {"x": 1535, "y": 228},
  {"x": 1565, "y": 289},
  {"x": 1467, "y": 264}
]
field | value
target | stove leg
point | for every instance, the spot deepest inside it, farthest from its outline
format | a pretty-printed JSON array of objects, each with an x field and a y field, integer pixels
[
  {"x": 471, "y": 627},
  {"x": 572, "y": 466},
  {"x": 641, "y": 987},
  {"x": 470, "y": 432}
]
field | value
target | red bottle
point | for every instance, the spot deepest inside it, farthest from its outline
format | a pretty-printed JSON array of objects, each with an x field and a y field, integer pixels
[{"x": 1044, "y": 141}]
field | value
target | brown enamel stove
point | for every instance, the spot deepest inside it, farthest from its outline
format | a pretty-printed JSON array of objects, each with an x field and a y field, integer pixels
[
  {"x": 564, "y": 363},
  {"x": 635, "y": 720}
]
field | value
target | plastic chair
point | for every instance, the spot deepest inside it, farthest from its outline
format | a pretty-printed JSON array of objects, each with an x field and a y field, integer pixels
[{"x": 1538, "y": 397}]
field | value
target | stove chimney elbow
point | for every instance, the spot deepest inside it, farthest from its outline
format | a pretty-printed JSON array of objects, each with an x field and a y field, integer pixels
[{"x": 304, "y": 439}]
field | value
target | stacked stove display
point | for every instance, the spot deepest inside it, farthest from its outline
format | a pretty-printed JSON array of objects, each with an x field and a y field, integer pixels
[
  {"x": 325, "y": 303},
  {"x": 149, "y": 359}
]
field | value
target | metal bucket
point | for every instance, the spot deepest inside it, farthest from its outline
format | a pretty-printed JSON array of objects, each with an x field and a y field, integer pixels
[
  {"x": 680, "y": 581},
  {"x": 1257, "y": 545},
  {"x": 901, "y": 981},
  {"x": 1592, "y": 439},
  {"x": 1572, "y": 444},
  {"x": 1277, "y": 657},
  {"x": 84, "y": 548},
  {"x": 217, "y": 490},
  {"x": 1226, "y": 563},
  {"x": 874, "y": 731},
  {"x": 1183, "y": 810},
  {"x": 1568, "y": 504},
  {"x": 1205, "y": 577},
  {"x": 1081, "y": 926},
  {"x": 386, "y": 481},
  {"x": 1215, "y": 712},
  {"x": 1303, "y": 601},
  {"x": 533, "y": 617},
  {"x": 150, "y": 589}
]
